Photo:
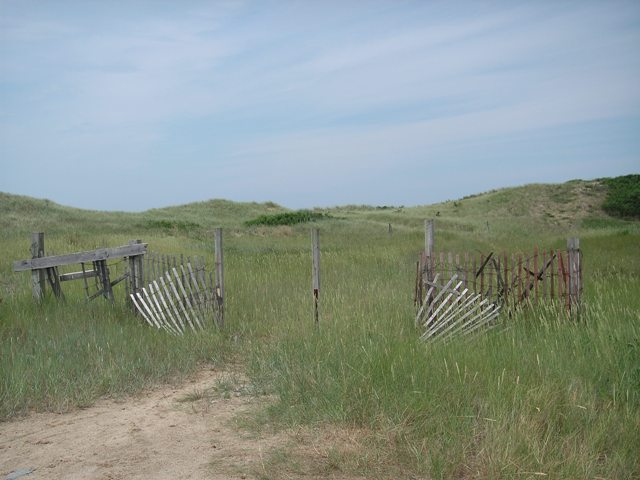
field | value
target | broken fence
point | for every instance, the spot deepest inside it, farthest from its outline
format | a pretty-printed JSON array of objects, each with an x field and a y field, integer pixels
[
  {"x": 178, "y": 296},
  {"x": 452, "y": 310},
  {"x": 507, "y": 280}
]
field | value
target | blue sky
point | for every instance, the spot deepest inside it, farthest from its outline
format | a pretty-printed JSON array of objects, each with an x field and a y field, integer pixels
[{"x": 129, "y": 105}]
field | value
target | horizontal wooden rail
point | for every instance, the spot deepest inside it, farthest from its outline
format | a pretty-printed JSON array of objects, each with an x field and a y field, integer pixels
[
  {"x": 80, "y": 257},
  {"x": 66, "y": 277}
]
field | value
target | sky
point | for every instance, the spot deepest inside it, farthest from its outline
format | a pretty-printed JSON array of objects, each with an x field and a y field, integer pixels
[{"x": 130, "y": 105}]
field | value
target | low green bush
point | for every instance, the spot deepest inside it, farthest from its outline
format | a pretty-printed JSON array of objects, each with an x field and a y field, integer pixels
[
  {"x": 623, "y": 197},
  {"x": 182, "y": 226},
  {"x": 287, "y": 218}
]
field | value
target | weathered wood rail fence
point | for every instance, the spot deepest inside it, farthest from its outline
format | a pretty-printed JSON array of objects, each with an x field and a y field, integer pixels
[
  {"x": 178, "y": 292},
  {"x": 508, "y": 279},
  {"x": 45, "y": 269},
  {"x": 189, "y": 290}
]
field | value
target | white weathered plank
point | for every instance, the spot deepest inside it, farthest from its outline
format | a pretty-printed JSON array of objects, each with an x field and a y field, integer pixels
[
  {"x": 141, "y": 309},
  {"x": 427, "y": 303},
  {"x": 178, "y": 301},
  {"x": 459, "y": 321},
  {"x": 174, "y": 309},
  {"x": 167, "y": 310},
  {"x": 434, "y": 315},
  {"x": 185, "y": 298},
  {"x": 158, "y": 310},
  {"x": 151, "y": 309},
  {"x": 457, "y": 312},
  {"x": 195, "y": 301}
]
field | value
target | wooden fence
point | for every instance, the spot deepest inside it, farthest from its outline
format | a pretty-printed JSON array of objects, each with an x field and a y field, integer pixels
[
  {"x": 508, "y": 279},
  {"x": 93, "y": 263},
  {"x": 155, "y": 265},
  {"x": 199, "y": 288},
  {"x": 191, "y": 294},
  {"x": 178, "y": 297},
  {"x": 452, "y": 310}
]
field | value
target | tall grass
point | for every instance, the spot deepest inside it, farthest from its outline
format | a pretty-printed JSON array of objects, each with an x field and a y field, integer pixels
[
  {"x": 543, "y": 395},
  {"x": 57, "y": 356}
]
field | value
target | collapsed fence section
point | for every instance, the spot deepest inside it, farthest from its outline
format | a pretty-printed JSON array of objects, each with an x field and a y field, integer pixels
[
  {"x": 179, "y": 299},
  {"x": 178, "y": 292},
  {"x": 507, "y": 279},
  {"x": 155, "y": 265},
  {"x": 452, "y": 310}
]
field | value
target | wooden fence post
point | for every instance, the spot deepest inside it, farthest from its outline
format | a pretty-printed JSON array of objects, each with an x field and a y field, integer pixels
[
  {"x": 428, "y": 250},
  {"x": 428, "y": 237},
  {"x": 575, "y": 274},
  {"x": 315, "y": 255},
  {"x": 136, "y": 273},
  {"x": 38, "y": 279},
  {"x": 219, "y": 271}
]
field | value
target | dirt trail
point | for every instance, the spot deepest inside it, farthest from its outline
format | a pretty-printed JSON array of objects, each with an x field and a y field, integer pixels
[{"x": 157, "y": 435}]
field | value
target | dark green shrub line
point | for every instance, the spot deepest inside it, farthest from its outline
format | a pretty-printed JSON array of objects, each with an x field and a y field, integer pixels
[
  {"x": 287, "y": 218},
  {"x": 623, "y": 197},
  {"x": 183, "y": 226}
]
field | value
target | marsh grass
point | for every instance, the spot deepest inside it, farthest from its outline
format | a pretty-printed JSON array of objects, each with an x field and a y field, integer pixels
[
  {"x": 56, "y": 356},
  {"x": 545, "y": 395},
  {"x": 542, "y": 395}
]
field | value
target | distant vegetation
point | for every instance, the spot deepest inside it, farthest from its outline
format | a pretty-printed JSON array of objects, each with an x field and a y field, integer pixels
[
  {"x": 623, "y": 197},
  {"x": 287, "y": 218},
  {"x": 174, "y": 225}
]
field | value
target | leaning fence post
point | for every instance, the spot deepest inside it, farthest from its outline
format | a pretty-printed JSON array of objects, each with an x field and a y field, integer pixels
[
  {"x": 38, "y": 279},
  {"x": 575, "y": 274},
  {"x": 315, "y": 255},
  {"x": 219, "y": 265}
]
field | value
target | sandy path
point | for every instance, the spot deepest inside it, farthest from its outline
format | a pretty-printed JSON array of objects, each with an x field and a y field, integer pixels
[{"x": 152, "y": 436}]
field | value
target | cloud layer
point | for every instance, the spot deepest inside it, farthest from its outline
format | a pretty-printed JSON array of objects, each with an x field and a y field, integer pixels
[{"x": 132, "y": 105}]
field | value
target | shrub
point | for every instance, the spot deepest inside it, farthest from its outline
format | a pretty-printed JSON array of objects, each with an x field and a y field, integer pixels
[
  {"x": 287, "y": 218},
  {"x": 623, "y": 196},
  {"x": 174, "y": 225}
]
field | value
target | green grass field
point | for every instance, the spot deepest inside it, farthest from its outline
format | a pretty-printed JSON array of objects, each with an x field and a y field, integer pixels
[{"x": 542, "y": 396}]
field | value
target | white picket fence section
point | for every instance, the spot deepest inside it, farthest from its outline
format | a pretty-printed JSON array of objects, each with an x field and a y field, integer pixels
[
  {"x": 178, "y": 302},
  {"x": 449, "y": 311}
]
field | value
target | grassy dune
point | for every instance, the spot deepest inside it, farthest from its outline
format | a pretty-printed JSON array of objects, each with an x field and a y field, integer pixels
[{"x": 544, "y": 395}]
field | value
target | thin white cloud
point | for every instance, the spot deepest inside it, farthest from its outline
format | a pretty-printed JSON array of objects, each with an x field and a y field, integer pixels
[{"x": 276, "y": 89}]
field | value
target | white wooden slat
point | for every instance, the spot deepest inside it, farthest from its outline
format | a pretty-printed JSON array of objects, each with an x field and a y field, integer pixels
[
  {"x": 185, "y": 298},
  {"x": 157, "y": 316},
  {"x": 174, "y": 309},
  {"x": 462, "y": 321},
  {"x": 167, "y": 310},
  {"x": 141, "y": 310},
  {"x": 455, "y": 312},
  {"x": 440, "y": 294},
  {"x": 434, "y": 315},
  {"x": 158, "y": 309},
  {"x": 179, "y": 302},
  {"x": 426, "y": 301}
]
